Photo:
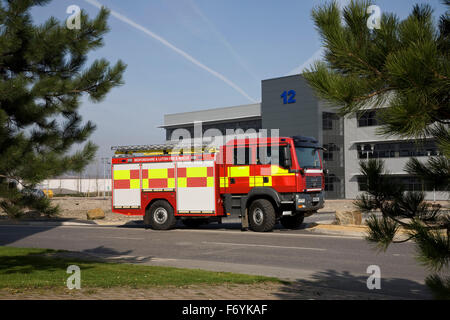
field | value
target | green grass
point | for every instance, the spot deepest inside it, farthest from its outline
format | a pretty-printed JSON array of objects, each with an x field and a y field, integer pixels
[{"x": 42, "y": 268}]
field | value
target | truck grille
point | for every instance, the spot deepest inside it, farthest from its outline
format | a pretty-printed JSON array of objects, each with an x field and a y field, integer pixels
[{"x": 313, "y": 182}]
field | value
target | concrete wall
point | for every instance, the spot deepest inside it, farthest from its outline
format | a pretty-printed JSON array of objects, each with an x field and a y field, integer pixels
[{"x": 83, "y": 185}]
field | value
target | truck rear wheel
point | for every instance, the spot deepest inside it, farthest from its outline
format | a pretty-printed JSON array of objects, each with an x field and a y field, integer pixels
[
  {"x": 292, "y": 222},
  {"x": 261, "y": 216},
  {"x": 160, "y": 216}
]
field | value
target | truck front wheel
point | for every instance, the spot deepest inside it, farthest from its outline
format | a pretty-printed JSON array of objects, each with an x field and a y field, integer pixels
[
  {"x": 160, "y": 216},
  {"x": 261, "y": 216},
  {"x": 292, "y": 222}
]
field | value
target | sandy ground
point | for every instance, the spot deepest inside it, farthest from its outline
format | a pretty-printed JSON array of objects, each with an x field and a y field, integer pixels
[{"x": 75, "y": 208}]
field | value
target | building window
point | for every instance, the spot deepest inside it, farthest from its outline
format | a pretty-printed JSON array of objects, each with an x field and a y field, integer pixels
[
  {"x": 327, "y": 120},
  {"x": 329, "y": 182},
  {"x": 367, "y": 118},
  {"x": 396, "y": 150},
  {"x": 410, "y": 183},
  {"x": 330, "y": 149}
]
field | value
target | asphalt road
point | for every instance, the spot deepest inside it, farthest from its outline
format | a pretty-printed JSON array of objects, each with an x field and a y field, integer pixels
[{"x": 313, "y": 259}]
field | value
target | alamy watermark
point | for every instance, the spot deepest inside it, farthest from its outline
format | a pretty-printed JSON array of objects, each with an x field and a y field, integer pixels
[
  {"x": 374, "y": 280},
  {"x": 74, "y": 281},
  {"x": 186, "y": 141},
  {"x": 374, "y": 20},
  {"x": 73, "y": 22}
]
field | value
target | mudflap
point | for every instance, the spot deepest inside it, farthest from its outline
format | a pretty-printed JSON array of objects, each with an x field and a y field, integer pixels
[{"x": 244, "y": 220}]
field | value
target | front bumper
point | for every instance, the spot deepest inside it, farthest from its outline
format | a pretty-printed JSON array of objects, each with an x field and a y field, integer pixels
[{"x": 305, "y": 202}]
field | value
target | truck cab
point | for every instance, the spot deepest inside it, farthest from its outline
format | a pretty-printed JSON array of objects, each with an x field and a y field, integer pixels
[{"x": 265, "y": 180}]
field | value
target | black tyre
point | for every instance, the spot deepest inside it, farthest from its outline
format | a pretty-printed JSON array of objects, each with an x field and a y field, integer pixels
[
  {"x": 292, "y": 222},
  {"x": 193, "y": 223},
  {"x": 261, "y": 216},
  {"x": 160, "y": 216}
]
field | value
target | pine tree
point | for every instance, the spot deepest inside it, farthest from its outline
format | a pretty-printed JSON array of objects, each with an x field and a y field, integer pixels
[
  {"x": 43, "y": 78},
  {"x": 402, "y": 69},
  {"x": 424, "y": 223}
]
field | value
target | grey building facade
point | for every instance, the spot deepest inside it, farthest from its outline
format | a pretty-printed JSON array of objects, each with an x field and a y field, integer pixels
[{"x": 290, "y": 105}]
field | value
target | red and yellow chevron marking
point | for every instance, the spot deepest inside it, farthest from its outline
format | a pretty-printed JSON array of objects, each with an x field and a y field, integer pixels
[
  {"x": 193, "y": 177},
  {"x": 160, "y": 178},
  {"x": 273, "y": 174},
  {"x": 127, "y": 179},
  {"x": 224, "y": 182}
]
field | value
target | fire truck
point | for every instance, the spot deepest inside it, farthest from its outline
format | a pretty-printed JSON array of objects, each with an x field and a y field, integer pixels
[{"x": 260, "y": 180}]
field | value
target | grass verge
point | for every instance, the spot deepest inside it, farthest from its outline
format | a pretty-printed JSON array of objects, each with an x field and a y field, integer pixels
[{"x": 22, "y": 268}]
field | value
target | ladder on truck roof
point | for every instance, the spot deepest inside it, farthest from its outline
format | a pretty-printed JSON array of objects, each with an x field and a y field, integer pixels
[{"x": 162, "y": 149}]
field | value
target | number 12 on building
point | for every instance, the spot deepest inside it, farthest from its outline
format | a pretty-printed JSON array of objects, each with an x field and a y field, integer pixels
[{"x": 288, "y": 96}]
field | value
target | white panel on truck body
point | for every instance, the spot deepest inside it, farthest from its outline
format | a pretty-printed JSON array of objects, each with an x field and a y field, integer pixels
[
  {"x": 129, "y": 197},
  {"x": 200, "y": 199}
]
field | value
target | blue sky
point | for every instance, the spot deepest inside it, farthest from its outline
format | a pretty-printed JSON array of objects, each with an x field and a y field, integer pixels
[{"x": 244, "y": 41}]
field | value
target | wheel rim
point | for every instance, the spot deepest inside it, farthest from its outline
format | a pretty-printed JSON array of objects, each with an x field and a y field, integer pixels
[
  {"x": 160, "y": 215},
  {"x": 258, "y": 216}
]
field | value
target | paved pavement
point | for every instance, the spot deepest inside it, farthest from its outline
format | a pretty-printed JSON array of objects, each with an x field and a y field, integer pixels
[{"x": 335, "y": 262}]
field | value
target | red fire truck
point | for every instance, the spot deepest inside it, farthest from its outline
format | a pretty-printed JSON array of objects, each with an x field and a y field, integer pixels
[{"x": 261, "y": 180}]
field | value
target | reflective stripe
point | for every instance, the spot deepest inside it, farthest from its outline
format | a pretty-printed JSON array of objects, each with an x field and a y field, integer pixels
[
  {"x": 224, "y": 182},
  {"x": 157, "y": 173},
  {"x": 135, "y": 184},
  {"x": 196, "y": 172},
  {"x": 195, "y": 177},
  {"x": 121, "y": 184},
  {"x": 182, "y": 182},
  {"x": 239, "y": 171},
  {"x": 279, "y": 171},
  {"x": 171, "y": 183},
  {"x": 256, "y": 181},
  {"x": 127, "y": 179},
  {"x": 121, "y": 174}
]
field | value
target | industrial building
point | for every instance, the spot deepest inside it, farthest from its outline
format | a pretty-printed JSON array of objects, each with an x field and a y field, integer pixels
[{"x": 290, "y": 105}]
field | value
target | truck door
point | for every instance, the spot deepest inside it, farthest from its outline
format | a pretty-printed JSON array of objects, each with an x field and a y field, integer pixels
[
  {"x": 269, "y": 171},
  {"x": 238, "y": 172},
  {"x": 261, "y": 175}
]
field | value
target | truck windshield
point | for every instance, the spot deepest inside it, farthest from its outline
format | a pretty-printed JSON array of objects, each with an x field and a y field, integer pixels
[{"x": 308, "y": 158}]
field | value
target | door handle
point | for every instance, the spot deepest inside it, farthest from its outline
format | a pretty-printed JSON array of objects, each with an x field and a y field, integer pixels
[
  {"x": 265, "y": 179},
  {"x": 232, "y": 181}
]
